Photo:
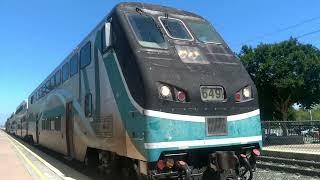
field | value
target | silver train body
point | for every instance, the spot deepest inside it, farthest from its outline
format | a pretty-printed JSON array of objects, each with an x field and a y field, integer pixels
[{"x": 17, "y": 123}]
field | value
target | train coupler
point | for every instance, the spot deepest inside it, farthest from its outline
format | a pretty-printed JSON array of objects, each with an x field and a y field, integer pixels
[
  {"x": 223, "y": 160},
  {"x": 223, "y": 165}
]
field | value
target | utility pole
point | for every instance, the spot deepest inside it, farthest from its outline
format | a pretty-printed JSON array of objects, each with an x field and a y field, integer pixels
[{"x": 310, "y": 114}]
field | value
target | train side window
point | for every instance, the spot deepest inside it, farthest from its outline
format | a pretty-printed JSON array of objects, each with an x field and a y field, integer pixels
[
  {"x": 52, "y": 83},
  {"x": 74, "y": 65},
  {"x": 38, "y": 95},
  {"x": 43, "y": 90},
  {"x": 85, "y": 55},
  {"x": 47, "y": 124},
  {"x": 52, "y": 124},
  {"x": 31, "y": 99},
  {"x": 65, "y": 72},
  {"x": 58, "y": 78},
  {"x": 57, "y": 123},
  {"x": 88, "y": 105},
  {"x": 48, "y": 88}
]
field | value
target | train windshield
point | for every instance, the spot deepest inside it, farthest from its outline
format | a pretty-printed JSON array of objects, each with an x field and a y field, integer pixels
[
  {"x": 147, "y": 31},
  {"x": 175, "y": 28},
  {"x": 204, "y": 32}
]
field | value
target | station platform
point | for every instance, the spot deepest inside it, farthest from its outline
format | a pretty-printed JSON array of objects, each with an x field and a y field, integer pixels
[
  {"x": 297, "y": 148},
  {"x": 21, "y": 161},
  {"x": 11, "y": 165},
  {"x": 308, "y": 152}
]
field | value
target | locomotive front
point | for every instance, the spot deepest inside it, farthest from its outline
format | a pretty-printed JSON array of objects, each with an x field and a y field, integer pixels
[{"x": 194, "y": 103}]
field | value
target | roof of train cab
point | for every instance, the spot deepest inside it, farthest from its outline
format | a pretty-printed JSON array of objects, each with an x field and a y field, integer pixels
[
  {"x": 154, "y": 9},
  {"x": 145, "y": 67}
]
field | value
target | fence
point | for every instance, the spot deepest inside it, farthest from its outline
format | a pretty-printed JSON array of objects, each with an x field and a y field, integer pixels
[{"x": 294, "y": 136}]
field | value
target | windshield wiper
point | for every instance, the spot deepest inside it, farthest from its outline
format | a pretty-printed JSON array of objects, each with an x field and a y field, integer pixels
[{"x": 141, "y": 12}]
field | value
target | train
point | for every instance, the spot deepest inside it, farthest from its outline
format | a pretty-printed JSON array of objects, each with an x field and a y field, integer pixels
[
  {"x": 16, "y": 123},
  {"x": 154, "y": 91}
]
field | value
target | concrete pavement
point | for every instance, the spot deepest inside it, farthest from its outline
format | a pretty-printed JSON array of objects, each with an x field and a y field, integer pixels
[{"x": 19, "y": 160}]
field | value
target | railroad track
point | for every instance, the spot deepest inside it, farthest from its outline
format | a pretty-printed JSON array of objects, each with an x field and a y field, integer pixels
[{"x": 294, "y": 166}]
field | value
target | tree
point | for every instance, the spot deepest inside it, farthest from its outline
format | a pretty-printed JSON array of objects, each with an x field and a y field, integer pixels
[{"x": 284, "y": 73}]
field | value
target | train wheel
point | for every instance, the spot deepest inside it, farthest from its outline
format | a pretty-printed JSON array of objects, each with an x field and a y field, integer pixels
[
  {"x": 91, "y": 159},
  {"x": 246, "y": 172},
  {"x": 31, "y": 140},
  {"x": 210, "y": 174},
  {"x": 129, "y": 170}
]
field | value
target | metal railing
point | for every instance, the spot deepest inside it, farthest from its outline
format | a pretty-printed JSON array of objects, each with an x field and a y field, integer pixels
[
  {"x": 295, "y": 135},
  {"x": 291, "y": 146}
]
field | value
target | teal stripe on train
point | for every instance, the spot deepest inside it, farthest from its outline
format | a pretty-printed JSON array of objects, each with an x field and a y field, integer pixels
[
  {"x": 134, "y": 122},
  {"x": 161, "y": 130},
  {"x": 166, "y": 130}
]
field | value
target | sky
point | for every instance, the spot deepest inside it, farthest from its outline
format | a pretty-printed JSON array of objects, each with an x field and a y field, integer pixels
[{"x": 36, "y": 35}]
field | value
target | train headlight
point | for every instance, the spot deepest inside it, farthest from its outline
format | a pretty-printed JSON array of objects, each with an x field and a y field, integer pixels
[
  {"x": 191, "y": 55},
  {"x": 247, "y": 92},
  {"x": 171, "y": 93},
  {"x": 165, "y": 91},
  {"x": 183, "y": 53}
]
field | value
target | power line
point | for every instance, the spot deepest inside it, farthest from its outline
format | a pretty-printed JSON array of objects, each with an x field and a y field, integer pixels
[
  {"x": 284, "y": 29},
  {"x": 307, "y": 34}
]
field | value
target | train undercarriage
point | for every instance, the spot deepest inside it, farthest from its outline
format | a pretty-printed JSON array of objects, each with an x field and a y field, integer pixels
[{"x": 192, "y": 165}]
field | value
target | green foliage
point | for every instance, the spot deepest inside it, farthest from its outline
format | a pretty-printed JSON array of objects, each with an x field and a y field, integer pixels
[
  {"x": 301, "y": 115},
  {"x": 316, "y": 115},
  {"x": 305, "y": 114},
  {"x": 284, "y": 73}
]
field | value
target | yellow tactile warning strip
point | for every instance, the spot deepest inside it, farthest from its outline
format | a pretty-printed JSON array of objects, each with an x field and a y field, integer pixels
[
  {"x": 38, "y": 172},
  {"x": 34, "y": 168},
  {"x": 11, "y": 166}
]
